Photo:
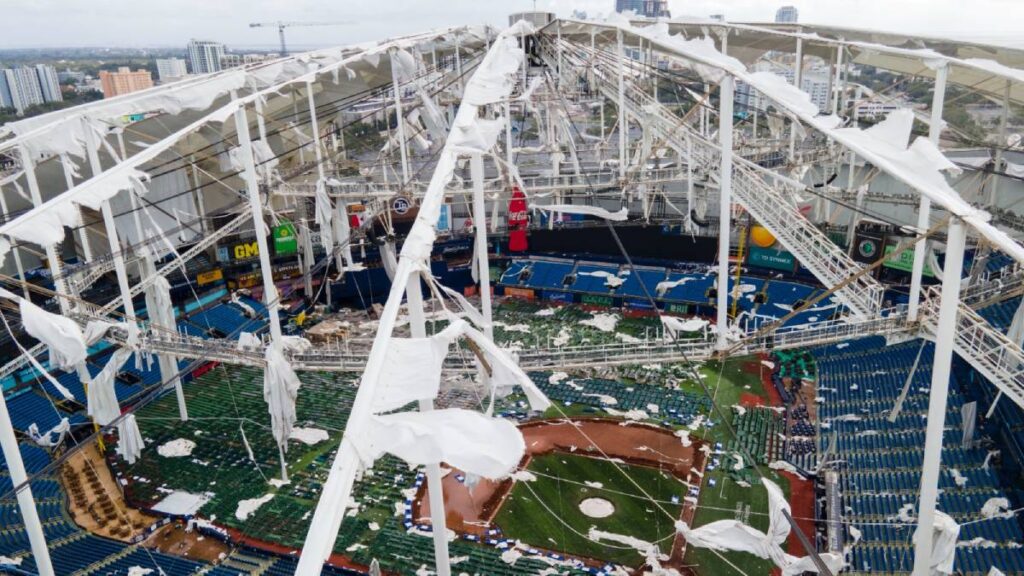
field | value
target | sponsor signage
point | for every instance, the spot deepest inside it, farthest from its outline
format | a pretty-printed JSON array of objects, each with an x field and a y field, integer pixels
[
  {"x": 638, "y": 304},
  {"x": 209, "y": 277},
  {"x": 444, "y": 221},
  {"x": 677, "y": 308},
  {"x": 245, "y": 250},
  {"x": 526, "y": 293},
  {"x": 771, "y": 258},
  {"x": 904, "y": 260},
  {"x": 596, "y": 300},
  {"x": 556, "y": 296},
  {"x": 401, "y": 205},
  {"x": 867, "y": 248},
  {"x": 518, "y": 219},
  {"x": 285, "y": 240}
]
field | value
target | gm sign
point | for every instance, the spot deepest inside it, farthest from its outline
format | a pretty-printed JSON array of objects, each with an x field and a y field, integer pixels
[{"x": 245, "y": 251}]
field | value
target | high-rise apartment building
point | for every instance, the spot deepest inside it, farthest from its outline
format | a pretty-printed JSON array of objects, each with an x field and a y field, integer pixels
[
  {"x": 124, "y": 81},
  {"x": 21, "y": 88},
  {"x": 170, "y": 69},
  {"x": 646, "y": 8},
  {"x": 49, "y": 85},
  {"x": 204, "y": 56},
  {"x": 236, "y": 60},
  {"x": 787, "y": 15}
]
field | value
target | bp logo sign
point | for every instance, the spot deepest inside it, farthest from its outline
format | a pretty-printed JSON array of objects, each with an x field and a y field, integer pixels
[
  {"x": 867, "y": 248},
  {"x": 401, "y": 205}
]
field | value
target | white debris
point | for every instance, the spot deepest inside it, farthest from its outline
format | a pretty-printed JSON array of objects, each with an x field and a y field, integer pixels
[
  {"x": 546, "y": 312},
  {"x": 10, "y": 561},
  {"x": 247, "y": 507},
  {"x": 959, "y": 478},
  {"x": 524, "y": 476},
  {"x": 596, "y": 485},
  {"x": 635, "y": 414},
  {"x": 740, "y": 410},
  {"x": 603, "y": 399},
  {"x": 784, "y": 466},
  {"x": 181, "y": 503},
  {"x": 602, "y": 321},
  {"x": 308, "y": 436},
  {"x": 176, "y": 448},
  {"x": 557, "y": 377},
  {"x": 277, "y": 482},
  {"x": 139, "y": 571},
  {"x": 684, "y": 437},
  {"x": 768, "y": 364},
  {"x": 996, "y": 508}
]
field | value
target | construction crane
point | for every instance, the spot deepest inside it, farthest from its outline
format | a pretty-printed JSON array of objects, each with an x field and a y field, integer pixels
[{"x": 282, "y": 25}]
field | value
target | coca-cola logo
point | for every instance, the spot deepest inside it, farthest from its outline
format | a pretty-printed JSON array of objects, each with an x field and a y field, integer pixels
[{"x": 517, "y": 216}]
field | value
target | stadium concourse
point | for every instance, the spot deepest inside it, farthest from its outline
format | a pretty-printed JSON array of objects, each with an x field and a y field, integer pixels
[{"x": 569, "y": 297}]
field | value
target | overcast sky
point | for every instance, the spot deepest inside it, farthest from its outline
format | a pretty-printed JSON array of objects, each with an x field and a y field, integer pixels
[{"x": 138, "y": 23}]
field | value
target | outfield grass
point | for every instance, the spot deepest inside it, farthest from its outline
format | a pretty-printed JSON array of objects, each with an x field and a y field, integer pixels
[{"x": 545, "y": 512}]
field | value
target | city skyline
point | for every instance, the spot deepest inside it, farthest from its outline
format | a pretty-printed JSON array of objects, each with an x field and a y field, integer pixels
[{"x": 174, "y": 22}]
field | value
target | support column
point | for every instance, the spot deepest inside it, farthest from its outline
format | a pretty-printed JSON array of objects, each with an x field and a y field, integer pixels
[
  {"x": 14, "y": 250},
  {"x": 435, "y": 490},
  {"x": 558, "y": 82},
  {"x": 938, "y": 395},
  {"x": 834, "y": 83},
  {"x": 200, "y": 198},
  {"x": 26, "y": 504},
  {"x": 690, "y": 202},
  {"x": 994, "y": 188},
  {"x": 623, "y": 124},
  {"x": 400, "y": 120},
  {"x": 727, "y": 87},
  {"x": 8, "y": 442},
  {"x": 307, "y": 245},
  {"x": 798, "y": 73},
  {"x": 458, "y": 61},
  {"x": 110, "y": 226},
  {"x": 476, "y": 169},
  {"x": 924, "y": 210},
  {"x": 270, "y": 296},
  {"x": 69, "y": 181}
]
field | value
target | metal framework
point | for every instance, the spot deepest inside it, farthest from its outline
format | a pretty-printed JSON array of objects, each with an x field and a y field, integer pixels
[{"x": 586, "y": 64}]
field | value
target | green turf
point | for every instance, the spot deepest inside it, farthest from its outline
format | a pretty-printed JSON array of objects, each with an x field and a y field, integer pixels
[{"x": 545, "y": 512}]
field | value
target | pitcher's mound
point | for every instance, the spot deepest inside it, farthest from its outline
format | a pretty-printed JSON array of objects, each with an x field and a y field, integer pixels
[{"x": 597, "y": 508}]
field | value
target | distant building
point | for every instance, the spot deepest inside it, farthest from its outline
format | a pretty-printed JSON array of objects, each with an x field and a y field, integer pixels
[
  {"x": 23, "y": 87},
  {"x": 237, "y": 60},
  {"x": 124, "y": 81},
  {"x": 49, "y": 84},
  {"x": 787, "y": 15},
  {"x": 813, "y": 84},
  {"x": 69, "y": 75},
  {"x": 170, "y": 69},
  {"x": 204, "y": 56},
  {"x": 717, "y": 17},
  {"x": 646, "y": 8}
]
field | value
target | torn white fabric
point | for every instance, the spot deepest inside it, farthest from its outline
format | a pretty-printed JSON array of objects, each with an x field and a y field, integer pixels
[
  {"x": 945, "y": 532},
  {"x": 729, "y": 535},
  {"x": 280, "y": 389},
  {"x": 129, "y": 439},
  {"x": 467, "y": 440},
  {"x": 247, "y": 310},
  {"x": 677, "y": 325},
  {"x": 46, "y": 439},
  {"x": 324, "y": 214},
  {"x": 45, "y": 224},
  {"x": 478, "y": 136},
  {"x": 159, "y": 305},
  {"x": 387, "y": 257},
  {"x": 249, "y": 341},
  {"x": 610, "y": 280},
  {"x": 412, "y": 369},
  {"x": 61, "y": 335},
  {"x": 621, "y": 216},
  {"x": 103, "y": 406}
]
